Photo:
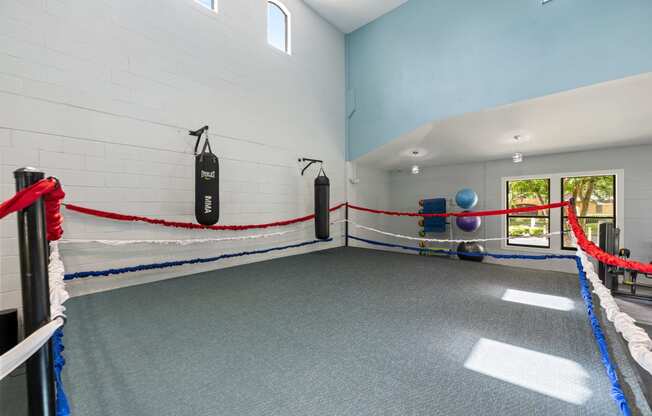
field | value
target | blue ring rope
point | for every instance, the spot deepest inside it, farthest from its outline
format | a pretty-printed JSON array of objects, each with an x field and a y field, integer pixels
[
  {"x": 153, "y": 266},
  {"x": 616, "y": 390},
  {"x": 62, "y": 407}
]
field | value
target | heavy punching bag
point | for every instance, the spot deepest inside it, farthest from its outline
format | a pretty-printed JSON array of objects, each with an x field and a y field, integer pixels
[
  {"x": 322, "y": 205},
  {"x": 207, "y": 185}
]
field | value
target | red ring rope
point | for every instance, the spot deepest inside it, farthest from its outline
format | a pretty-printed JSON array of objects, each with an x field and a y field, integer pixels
[
  {"x": 52, "y": 193},
  {"x": 594, "y": 251},
  {"x": 463, "y": 214},
  {"x": 189, "y": 225}
]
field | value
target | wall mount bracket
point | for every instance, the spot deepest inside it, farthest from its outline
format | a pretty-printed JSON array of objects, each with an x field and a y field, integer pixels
[
  {"x": 310, "y": 163},
  {"x": 198, "y": 133}
]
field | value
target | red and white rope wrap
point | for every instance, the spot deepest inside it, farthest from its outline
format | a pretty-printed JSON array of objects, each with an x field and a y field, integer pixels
[
  {"x": 52, "y": 194},
  {"x": 594, "y": 251},
  {"x": 638, "y": 341}
]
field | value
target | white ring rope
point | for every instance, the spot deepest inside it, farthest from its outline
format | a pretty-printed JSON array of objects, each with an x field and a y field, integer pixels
[
  {"x": 13, "y": 358},
  {"x": 439, "y": 240},
  {"x": 58, "y": 293},
  {"x": 181, "y": 242},
  {"x": 638, "y": 341}
]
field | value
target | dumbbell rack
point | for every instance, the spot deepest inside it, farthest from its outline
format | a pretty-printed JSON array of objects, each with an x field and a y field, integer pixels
[{"x": 426, "y": 250}]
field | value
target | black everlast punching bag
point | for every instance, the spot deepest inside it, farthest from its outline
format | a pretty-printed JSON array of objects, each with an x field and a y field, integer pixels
[
  {"x": 322, "y": 205},
  {"x": 207, "y": 185}
]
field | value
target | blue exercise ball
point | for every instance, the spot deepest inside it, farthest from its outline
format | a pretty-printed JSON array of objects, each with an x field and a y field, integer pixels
[
  {"x": 468, "y": 224},
  {"x": 466, "y": 198}
]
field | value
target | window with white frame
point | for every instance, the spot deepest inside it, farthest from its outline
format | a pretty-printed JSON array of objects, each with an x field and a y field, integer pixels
[
  {"x": 209, "y": 4},
  {"x": 595, "y": 203},
  {"x": 278, "y": 26},
  {"x": 528, "y": 229}
]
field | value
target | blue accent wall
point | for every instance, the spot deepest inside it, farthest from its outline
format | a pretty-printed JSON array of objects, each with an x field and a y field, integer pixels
[{"x": 431, "y": 59}]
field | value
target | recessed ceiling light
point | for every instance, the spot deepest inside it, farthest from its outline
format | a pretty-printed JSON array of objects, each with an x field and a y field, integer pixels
[
  {"x": 415, "y": 152},
  {"x": 517, "y": 157},
  {"x": 415, "y": 170}
]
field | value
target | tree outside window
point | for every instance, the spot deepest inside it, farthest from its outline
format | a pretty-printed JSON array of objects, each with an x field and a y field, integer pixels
[
  {"x": 528, "y": 229},
  {"x": 595, "y": 203}
]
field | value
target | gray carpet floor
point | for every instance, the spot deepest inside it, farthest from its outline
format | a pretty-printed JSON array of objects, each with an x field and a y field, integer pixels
[{"x": 338, "y": 332}]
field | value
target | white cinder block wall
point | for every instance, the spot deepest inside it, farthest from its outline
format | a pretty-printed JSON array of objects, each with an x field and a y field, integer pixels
[
  {"x": 368, "y": 187},
  {"x": 101, "y": 94}
]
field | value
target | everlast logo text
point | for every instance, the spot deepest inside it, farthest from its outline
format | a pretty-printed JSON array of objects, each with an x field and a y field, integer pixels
[{"x": 207, "y": 175}]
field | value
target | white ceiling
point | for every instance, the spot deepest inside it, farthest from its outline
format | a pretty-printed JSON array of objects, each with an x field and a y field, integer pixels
[
  {"x": 348, "y": 15},
  {"x": 614, "y": 113}
]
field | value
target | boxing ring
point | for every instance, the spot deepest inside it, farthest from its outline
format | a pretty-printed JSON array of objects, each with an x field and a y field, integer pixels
[{"x": 339, "y": 331}]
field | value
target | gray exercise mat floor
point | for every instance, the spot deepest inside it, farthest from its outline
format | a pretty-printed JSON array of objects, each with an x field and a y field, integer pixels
[{"x": 338, "y": 332}]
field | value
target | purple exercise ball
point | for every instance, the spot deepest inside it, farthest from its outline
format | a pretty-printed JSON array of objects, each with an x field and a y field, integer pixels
[{"x": 468, "y": 224}]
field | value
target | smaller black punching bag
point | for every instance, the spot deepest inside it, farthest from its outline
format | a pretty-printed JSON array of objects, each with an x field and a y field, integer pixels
[
  {"x": 207, "y": 186},
  {"x": 322, "y": 205}
]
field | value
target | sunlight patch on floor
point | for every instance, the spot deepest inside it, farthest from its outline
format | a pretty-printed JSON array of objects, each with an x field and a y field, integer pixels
[
  {"x": 559, "y": 303},
  {"x": 547, "y": 374}
]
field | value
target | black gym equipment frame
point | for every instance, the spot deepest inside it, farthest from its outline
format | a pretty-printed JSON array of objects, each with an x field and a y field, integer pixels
[
  {"x": 611, "y": 275},
  {"x": 34, "y": 253},
  {"x": 346, "y": 225}
]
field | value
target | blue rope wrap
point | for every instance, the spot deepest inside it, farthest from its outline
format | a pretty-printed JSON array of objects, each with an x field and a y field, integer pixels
[
  {"x": 455, "y": 253},
  {"x": 616, "y": 390},
  {"x": 57, "y": 351},
  {"x": 164, "y": 265}
]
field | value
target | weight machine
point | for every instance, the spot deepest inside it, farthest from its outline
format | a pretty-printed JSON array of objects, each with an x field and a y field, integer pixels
[{"x": 621, "y": 282}]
